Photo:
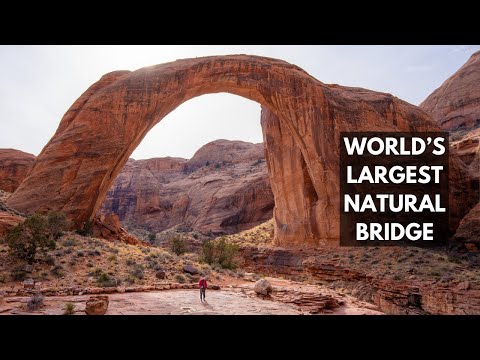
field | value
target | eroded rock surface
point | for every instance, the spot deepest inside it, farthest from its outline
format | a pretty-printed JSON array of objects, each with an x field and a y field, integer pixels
[
  {"x": 14, "y": 166},
  {"x": 223, "y": 188}
]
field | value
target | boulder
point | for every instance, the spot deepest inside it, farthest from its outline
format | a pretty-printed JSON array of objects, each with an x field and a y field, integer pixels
[
  {"x": 29, "y": 284},
  {"x": 160, "y": 274},
  {"x": 263, "y": 287},
  {"x": 97, "y": 305},
  {"x": 189, "y": 269},
  {"x": 215, "y": 287},
  {"x": 468, "y": 232}
]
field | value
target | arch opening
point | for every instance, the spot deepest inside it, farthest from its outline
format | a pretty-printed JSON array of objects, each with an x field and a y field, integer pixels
[{"x": 222, "y": 187}]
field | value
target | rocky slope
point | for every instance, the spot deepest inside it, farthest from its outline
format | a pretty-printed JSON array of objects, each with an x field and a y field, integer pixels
[
  {"x": 223, "y": 188},
  {"x": 400, "y": 280},
  {"x": 9, "y": 218},
  {"x": 14, "y": 166},
  {"x": 455, "y": 106}
]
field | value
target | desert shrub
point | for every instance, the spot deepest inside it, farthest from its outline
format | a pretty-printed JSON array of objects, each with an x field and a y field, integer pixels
[
  {"x": 43, "y": 276},
  {"x": 57, "y": 271},
  {"x": 217, "y": 166},
  {"x": 26, "y": 239},
  {"x": 18, "y": 273},
  {"x": 80, "y": 253},
  {"x": 106, "y": 280},
  {"x": 112, "y": 258},
  {"x": 208, "y": 252},
  {"x": 177, "y": 245},
  {"x": 138, "y": 272},
  {"x": 96, "y": 272},
  {"x": 220, "y": 252},
  {"x": 2, "y": 278},
  {"x": 114, "y": 250},
  {"x": 130, "y": 262},
  {"x": 152, "y": 264},
  {"x": 180, "y": 278},
  {"x": 49, "y": 260},
  {"x": 59, "y": 253},
  {"x": 87, "y": 229},
  {"x": 70, "y": 242},
  {"x": 207, "y": 163},
  {"x": 129, "y": 280},
  {"x": 69, "y": 309},
  {"x": 72, "y": 263},
  {"x": 152, "y": 237},
  {"x": 57, "y": 223},
  {"x": 35, "y": 302},
  {"x": 145, "y": 250}
]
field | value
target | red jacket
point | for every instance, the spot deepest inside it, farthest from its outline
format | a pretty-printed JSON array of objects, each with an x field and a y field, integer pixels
[{"x": 203, "y": 283}]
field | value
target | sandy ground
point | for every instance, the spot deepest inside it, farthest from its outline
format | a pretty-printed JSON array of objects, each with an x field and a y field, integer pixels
[{"x": 239, "y": 299}]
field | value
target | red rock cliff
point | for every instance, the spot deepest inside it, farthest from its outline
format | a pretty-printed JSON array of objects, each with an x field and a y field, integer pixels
[
  {"x": 14, "y": 166},
  {"x": 223, "y": 188}
]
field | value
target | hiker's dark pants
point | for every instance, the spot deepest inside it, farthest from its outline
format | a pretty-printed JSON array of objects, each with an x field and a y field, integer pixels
[{"x": 202, "y": 293}]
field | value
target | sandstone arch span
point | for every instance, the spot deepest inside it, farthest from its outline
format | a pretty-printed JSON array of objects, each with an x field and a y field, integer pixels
[{"x": 301, "y": 121}]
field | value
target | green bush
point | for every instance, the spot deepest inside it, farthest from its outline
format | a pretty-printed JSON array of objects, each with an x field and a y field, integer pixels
[
  {"x": 31, "y": 236},
  {"x": 69, "y": 308},
  {"x": 177, "y": 245},
  {"x": 106, "y": 280},
  {"x": 220, "y": 252},
  {"x": 180, "y": 278},
  {"x": 130, "y": 262}
]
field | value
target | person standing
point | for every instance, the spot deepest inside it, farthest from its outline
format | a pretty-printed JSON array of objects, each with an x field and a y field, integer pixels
[{"x": 203, "y": 287}]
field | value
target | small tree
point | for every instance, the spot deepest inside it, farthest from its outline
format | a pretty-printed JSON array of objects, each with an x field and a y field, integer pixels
[
  {"x": 31, "y": 236},
  {"x": 57, "y": 224},
  {"x": 220, "y": 252},
  {"x": 177, "y": 245},
  {"x": 208, "y": 252}
]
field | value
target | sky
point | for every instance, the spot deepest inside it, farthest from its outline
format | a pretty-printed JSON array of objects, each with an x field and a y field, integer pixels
[{"x": 39, "y": 83}]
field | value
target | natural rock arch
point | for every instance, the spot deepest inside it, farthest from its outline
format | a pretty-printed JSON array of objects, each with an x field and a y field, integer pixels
[{"x": 301, "y": 121}]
